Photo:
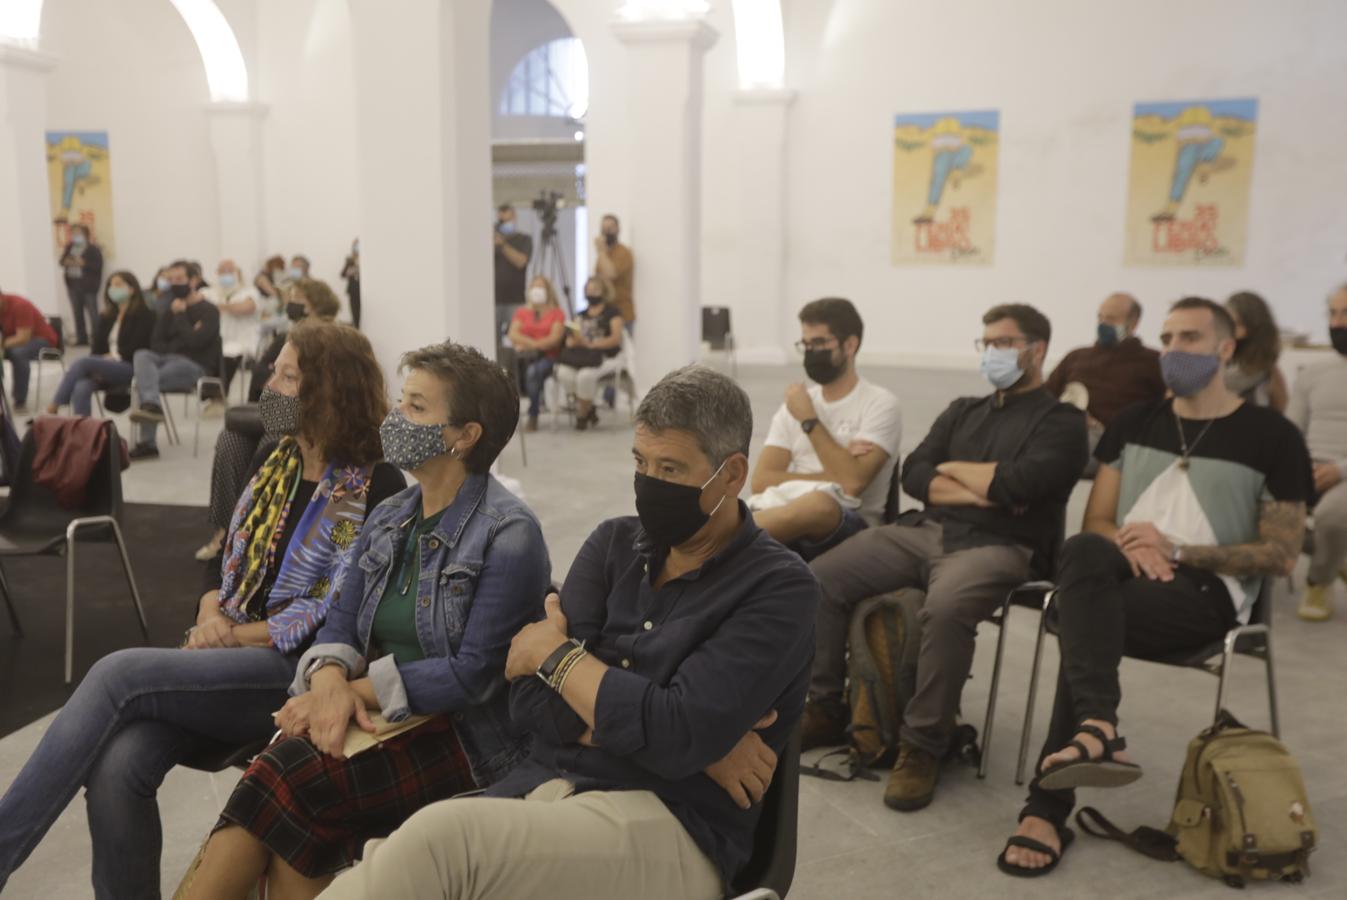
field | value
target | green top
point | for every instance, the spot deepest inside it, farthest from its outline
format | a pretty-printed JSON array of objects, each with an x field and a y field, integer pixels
[{"x": 395, "y": 618}]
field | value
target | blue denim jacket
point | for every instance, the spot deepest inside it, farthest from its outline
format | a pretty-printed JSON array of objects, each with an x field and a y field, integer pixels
[{"x": 484, "y": 574}]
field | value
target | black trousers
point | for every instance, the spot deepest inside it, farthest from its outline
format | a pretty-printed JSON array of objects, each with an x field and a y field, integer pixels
[{"x": 1105, "y": 613}]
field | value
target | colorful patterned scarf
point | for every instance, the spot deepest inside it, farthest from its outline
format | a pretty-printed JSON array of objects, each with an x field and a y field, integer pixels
[{"x": 320, "y": 552}]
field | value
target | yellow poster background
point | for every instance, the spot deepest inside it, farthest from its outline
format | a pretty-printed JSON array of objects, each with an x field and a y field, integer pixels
[
  {"x": 1188, "y": 190},
  {"x": 79, "y": 177},
  {"x": 944, "y": 187}
]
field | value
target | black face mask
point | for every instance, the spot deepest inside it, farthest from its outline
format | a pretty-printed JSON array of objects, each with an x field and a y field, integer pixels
[
  {"x": 671, "y": 513},
  {"x": 180, "y": 291},
  {"x": 819, "y": 366},
  {"x": 295, "y": 311},
  {"x": 1338, "y": 337},
  {"x": 609, "y": 238}
]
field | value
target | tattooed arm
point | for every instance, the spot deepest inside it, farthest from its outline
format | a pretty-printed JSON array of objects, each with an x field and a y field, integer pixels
[{"x": 1281, "y": 532}]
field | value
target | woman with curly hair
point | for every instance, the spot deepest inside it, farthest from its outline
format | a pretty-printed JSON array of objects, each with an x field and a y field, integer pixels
[
  {"x": 449, "y": 570},
  {"x": 292, "y": 542}
]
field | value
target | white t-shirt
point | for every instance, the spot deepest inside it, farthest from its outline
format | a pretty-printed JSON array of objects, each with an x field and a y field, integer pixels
[
  {"x": 867, "y": 413},
  {"x": 239, "y": 335}
]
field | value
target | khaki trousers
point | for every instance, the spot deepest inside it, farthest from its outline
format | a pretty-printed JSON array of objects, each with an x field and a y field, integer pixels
[{"x": 553, "y": 844}]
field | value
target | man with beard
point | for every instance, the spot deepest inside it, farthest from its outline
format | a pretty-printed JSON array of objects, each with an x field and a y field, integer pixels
[{"x": 824, "y": 472}]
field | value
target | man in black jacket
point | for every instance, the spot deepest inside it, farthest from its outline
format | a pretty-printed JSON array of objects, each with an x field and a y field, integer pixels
[
  {"x": 185, "y": 346},
  {"x": 995, "y": 474},
  {"x": 83, "y": 264}
]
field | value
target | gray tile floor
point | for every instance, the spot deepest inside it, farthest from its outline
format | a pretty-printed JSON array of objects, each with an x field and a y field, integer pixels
[{"x": 851, "y": 845}]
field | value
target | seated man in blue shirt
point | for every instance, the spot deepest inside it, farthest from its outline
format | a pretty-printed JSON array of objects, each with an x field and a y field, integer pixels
[{"x": 659, "y": 690}]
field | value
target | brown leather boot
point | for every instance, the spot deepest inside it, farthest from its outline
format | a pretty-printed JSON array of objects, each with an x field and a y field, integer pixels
[
  {"x": 824, "y": 724},
  {"x": 912, "y": 781}
]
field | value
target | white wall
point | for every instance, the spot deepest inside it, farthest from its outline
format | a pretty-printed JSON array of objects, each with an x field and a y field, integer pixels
[
  {"x": 1064, "y": 75},
  {"x": 305, "y": 77},
  {"x": 132, "y": 69}
]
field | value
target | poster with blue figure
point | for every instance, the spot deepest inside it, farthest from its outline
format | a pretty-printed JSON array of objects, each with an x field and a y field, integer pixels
[{"x": 79, "y": 177}]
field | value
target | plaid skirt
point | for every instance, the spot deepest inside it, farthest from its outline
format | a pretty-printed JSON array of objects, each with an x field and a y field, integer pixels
[{"x": 316, "y": 812}]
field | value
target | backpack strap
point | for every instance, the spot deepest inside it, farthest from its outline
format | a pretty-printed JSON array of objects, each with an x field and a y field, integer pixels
[{"x": 1145, "y": 840}]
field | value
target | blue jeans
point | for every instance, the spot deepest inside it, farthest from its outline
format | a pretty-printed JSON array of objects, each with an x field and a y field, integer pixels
[
  {"x": 851, "y": 524},
  {"x": 21, "y": 356},
  {"x": 89, "y": 374},
  {"x": 136, "y": 715},
  {"x": 538, "y": 372},
  {"x": 157, "y": 372}
]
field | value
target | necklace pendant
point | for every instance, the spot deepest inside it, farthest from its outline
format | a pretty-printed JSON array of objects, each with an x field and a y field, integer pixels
[{"x": 1183, "y": 464}]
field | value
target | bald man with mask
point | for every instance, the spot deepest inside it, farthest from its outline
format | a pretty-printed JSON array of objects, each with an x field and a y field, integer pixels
[{"x": 1117, "y": 371}]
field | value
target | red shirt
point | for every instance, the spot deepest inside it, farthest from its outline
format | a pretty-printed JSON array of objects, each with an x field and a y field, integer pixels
[
  {"x": 18, "y": 314},
  {"x": 539, "y": 327}
]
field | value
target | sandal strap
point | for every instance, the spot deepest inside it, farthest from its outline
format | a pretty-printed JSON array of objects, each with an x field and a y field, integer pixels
[
  {"x": 1111, "y": 745},
  {"x": 1083, "y": 750},
  {"x": 1028, "y": 843}
]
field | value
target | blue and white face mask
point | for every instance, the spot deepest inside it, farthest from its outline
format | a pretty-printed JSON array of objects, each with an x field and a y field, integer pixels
[
  {"x": 1001, "y": 366},
  {"x": 1111, "y": 335}
]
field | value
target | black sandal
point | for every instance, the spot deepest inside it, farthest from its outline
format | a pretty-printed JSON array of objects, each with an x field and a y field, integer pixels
[
  {"x": 1101, "y": 772},
  {"x": 1064, "y": 836}
]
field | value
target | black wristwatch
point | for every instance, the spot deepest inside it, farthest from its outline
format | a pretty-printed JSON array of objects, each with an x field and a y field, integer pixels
[
  {"x": 549, "y": 666},
  {"x": 808, "y": 425}
]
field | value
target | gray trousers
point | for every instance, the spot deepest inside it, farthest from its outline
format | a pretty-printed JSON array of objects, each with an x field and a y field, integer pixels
[
  {"x": 1330, "y": 535},
  {"x": 962, "y": 588}
]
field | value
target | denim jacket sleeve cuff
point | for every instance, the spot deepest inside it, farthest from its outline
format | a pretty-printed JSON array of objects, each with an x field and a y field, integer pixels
[
  {"x": 386, "y": 680},
  {"x": 619, "y": 726},
  {"x": 338, "y": 653}
]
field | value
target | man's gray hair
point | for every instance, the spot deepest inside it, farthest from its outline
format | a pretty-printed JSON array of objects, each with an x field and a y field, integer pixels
[{"x": 704, "y": 403}]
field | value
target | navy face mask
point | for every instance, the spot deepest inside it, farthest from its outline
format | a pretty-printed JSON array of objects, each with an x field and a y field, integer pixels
[{"x": 1187, "y": 373}]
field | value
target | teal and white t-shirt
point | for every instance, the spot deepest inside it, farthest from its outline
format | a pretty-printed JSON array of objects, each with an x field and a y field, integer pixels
[{"x": 1237, "y": 463}]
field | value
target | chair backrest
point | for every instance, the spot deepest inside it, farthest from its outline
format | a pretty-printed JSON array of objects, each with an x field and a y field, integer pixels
[
  {"x": 772, "y": 864},
  {"x": 716, "y": 326},
  {"x": 34, "y": 506},
  {"x": 58, "y": 326}
]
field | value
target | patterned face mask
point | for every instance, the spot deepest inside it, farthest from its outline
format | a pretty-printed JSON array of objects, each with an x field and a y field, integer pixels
[
  {"x": 410, "y": 446},
  {"x": 279, "y": 413}
]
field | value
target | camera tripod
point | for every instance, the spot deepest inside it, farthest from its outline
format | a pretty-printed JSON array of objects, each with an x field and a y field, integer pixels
[{"x": 552, "y": 264}]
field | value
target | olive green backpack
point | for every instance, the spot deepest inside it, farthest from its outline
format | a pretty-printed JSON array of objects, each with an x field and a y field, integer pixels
[{"x": 1241, "y": 813}]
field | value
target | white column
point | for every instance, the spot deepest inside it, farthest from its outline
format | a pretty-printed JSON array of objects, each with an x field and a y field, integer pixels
[
  {"x": 235, "y": 136},
  {"x": 27, "y": 257},
  {"x": 664, "y": 125},
  {"x": 424, "y": 173},
  {"x": 763, "y": 312}
]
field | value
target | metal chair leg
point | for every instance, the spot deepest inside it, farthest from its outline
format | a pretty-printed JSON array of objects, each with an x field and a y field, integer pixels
[
  {"x": 69, "y": 600},
  {"x": 523, "y": 445},
  {"x": 70, "y": 533},
  {"x": 1227, "y": 655},
  {"x": 986, "y": 751},
  {"x": 1271, "y": 687},
  {"x": 170, "y": 427},
  {"x": 9, "y": 604},
  {"x": 1027, "y": 733},
  {"x": 130, "y": 576}
]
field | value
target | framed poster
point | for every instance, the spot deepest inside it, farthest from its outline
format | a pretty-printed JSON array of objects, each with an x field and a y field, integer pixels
[
  {"x": 1188, "y": 189},
  {"x": 79, "y": 177},
  {"x": 944, "y": 187}
]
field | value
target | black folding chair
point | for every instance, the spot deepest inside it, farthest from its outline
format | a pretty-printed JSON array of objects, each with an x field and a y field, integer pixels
[
  {"x": 34, "y": 524},
  {"x": 49, "y": 354},
  {"x": 718, "y": 335},
  {"x": 771, "y": 869}
]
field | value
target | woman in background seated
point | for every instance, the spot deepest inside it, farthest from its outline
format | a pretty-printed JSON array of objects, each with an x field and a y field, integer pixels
[
  {"x": 593, "y": 347},
  {"x": 536, "y": 332},
  {"x": 139, "y": 712},
  {"x": 448, "y": 570},
  {"x": 125, "y": 326},
  {"x": 242, "y": 437},
  {"x": 1253, "y": 372}
]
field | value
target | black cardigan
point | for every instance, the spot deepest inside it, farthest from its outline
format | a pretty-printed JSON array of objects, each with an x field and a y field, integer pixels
[{"x": 136, "y": 331}]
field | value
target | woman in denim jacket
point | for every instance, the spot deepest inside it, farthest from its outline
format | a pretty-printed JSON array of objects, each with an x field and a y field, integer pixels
[{"x": 449, "y": 570}]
